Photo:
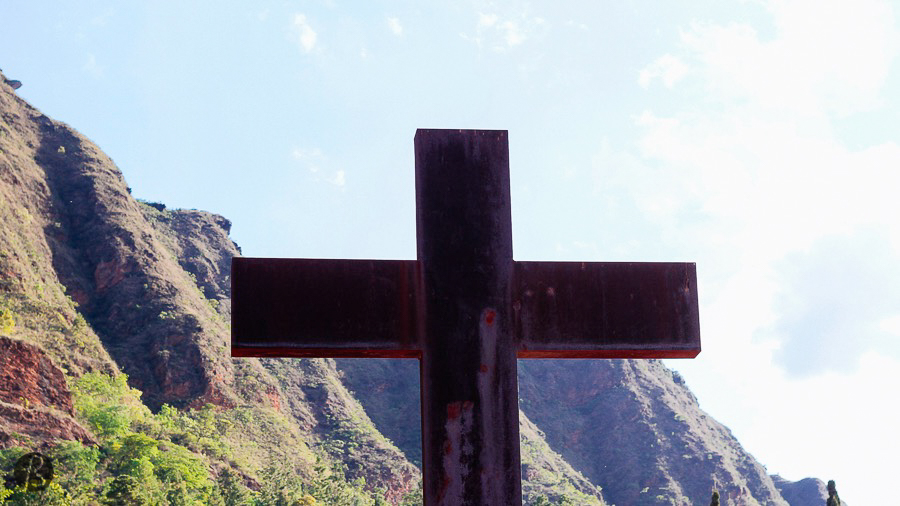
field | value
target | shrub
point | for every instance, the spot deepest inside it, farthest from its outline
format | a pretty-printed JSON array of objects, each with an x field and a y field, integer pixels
[
  {"x": 107, "y": 403},
  {"x": 7, "y": 322},
  {"x": 126, "y": 489},
  {"x": 75, "y": 466}
]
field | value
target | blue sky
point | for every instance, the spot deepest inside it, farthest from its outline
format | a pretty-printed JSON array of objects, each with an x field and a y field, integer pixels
[{"x": 757, "y": 138}]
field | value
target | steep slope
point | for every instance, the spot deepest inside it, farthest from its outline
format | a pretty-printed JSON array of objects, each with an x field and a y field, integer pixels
[
  {"x": 35, "y": 402},
  {"x": 47, "y": 336},
  {"x": 314, "y": 395},
  {"x": 389, "y": 390},
  {"x": 806, "y": 492},
  {"x": 633, "y": 427},
  {"x": 93, "y": 280},
  {"x": 308, "y": 391},
  {"x": 95, "y": 241}
]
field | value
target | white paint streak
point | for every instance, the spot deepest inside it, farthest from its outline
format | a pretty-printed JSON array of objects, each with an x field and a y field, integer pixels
[{"x": 458, "y": 448}]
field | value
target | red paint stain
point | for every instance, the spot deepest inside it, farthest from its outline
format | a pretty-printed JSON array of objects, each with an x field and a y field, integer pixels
[
  {"x": 489, "y": 317},
  {"x": 453, "y": 410}
]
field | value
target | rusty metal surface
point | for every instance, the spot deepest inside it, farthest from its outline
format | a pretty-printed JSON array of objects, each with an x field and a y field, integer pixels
[
  {"x": 606, "y": 310},
  {"x": 323, "y": 308},
  {"x": 470, "y": 414}
]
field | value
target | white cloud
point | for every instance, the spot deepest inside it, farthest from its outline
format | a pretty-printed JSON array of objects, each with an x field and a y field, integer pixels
[
  {"x": 319, "y": 166},
  {"x": 92, "y": 67},
  {"x": 395, "y": 26},
  {"x": 502, "y": 33},
  {"x": 486, "y": 20},
  {"x": 799, "y": 246},
  {"x": 829, "y": 56},
  {"x": 667, "y": 67},
  {"x": 338, "y": 179},
  {"x": 304, "y": 33},
  {"x": 833, "y": 301},
  {"x": 513, "y": 34},
  {"x": 302, "y": 154}
]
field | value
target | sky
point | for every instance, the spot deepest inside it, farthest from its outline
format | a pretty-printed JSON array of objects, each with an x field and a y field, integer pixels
[{"x": 756, "y": 138}]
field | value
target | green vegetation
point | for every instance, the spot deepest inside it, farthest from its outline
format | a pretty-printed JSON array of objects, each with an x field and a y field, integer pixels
[
  {"x": 191, "y": 457},
  {"x": 7, "y": 322},
  {"x": 548, "y": 480},
  {"x": 715, "y": 498},
  {"x": 833, "y": 497}
]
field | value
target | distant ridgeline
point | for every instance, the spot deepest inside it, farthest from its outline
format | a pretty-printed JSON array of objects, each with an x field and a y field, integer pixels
[{"x": 115, "y": 365}]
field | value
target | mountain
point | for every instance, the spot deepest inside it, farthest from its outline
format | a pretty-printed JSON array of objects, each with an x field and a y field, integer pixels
[
  {"x": 94, "y": 282},
  {"x": 97, "y": 286},
  {"x": 808, "y": 491}
]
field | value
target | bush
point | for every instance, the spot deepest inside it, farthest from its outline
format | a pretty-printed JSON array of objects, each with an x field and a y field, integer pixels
[
  {"x": 7, "y": 322},
  {"x": 53, "y": 495},
  {"x": 75, "y": 466},
  {"x": 108, "y": 404},
  {"x": 126, "y": 490}
]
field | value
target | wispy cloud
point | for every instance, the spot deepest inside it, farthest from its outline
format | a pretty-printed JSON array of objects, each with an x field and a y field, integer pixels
[
  {"x": 319, "y": 166},
  {"x": 303, "y": 32},
  {"x": 93, "y": 68},
  {"x": 394, "y": 25},
  {"x": 668, "y": 68},
  {"x": 338, "y": 179},
  {"x": 502, "y": 33},
  {"x": 513, "y": 34},
  {"x": 486, "y": 20}
]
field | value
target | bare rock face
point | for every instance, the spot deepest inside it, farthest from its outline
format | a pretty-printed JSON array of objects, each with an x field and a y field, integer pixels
[
  {"x": 41, "y": 425},
  {"x": 29, "y": 377},
  {"x": 34, "y": 398},
  {"x": 633, "y": 427},
  {"x": 69, "y": 222},
  {"x": 340, "y": 422},
  {"x": 806, "y": 492}
]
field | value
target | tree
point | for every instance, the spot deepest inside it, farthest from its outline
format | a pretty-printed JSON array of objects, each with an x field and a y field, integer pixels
[
  {"x": 76, "y": 466},
  {"x": 126, "y": 490},
  {"x": 233, "y": 491},
  {"x": 715, "y": 498},
  {"x": 833, "y": 498}
]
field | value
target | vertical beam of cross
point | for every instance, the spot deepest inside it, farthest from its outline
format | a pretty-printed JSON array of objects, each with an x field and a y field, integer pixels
[{"x": 469, "y": 392}]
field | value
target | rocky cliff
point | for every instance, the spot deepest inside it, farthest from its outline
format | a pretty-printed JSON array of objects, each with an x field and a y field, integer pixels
[{"x": 93, "y": 280}]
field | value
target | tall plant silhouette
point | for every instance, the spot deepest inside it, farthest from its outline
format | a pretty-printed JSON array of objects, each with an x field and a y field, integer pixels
[{"x": 833, "y": 498}]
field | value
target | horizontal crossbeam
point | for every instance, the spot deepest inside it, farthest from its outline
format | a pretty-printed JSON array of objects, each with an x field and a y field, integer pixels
[
  {"x": 371, "y": 308},
  {"x": 284, "y": 307},
  {"x": 606, "y": 310}
]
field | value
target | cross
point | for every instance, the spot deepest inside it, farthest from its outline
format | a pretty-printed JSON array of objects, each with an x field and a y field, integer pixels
[{"x": 467, "y": 311}]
